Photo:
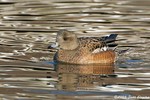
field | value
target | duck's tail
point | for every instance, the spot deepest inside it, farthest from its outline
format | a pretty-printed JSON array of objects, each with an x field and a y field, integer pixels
[{"x": 110, "y": 40}]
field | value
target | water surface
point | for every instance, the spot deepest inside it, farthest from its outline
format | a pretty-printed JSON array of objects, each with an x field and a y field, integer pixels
[{"x": 28, "y": 27}]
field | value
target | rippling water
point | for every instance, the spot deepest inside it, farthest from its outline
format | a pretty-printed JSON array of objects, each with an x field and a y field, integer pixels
[{"x": 28, "y": 27}]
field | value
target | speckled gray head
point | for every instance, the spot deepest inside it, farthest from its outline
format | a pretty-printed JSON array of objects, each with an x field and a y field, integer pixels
[{"x": 67, "y": 40}]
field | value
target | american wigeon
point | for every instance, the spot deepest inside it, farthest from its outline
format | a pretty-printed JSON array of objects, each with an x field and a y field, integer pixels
[{"x": 84, "y": 50}]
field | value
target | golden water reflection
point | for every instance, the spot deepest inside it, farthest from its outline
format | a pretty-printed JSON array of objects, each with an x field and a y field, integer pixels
[{"x": 74, "y": 77}]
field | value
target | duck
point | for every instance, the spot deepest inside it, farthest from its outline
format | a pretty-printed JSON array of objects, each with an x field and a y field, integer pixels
[{"x": 84, "y": 50}]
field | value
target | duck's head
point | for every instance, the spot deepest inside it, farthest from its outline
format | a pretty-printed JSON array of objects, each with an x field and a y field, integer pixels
[{"x": 66, "y": 40}]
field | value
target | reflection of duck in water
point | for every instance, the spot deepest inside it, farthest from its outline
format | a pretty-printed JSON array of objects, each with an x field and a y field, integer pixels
[
  {"x": 84, "y": 50},
  {"x": 73, "y": 77},
  {"x": 86, "y": 69}
]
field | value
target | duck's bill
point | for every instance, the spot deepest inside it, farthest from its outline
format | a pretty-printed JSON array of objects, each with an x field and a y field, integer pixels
[{"x": 54, "y": 46}]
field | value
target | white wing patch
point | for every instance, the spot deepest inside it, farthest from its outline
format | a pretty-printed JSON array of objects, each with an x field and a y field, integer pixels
[
  {"x": 104, "y": 48},
  {"x": 100, "y": 49}
]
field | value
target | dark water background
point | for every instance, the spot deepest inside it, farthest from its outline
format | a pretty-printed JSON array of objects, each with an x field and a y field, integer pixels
[{"x": 28, "y": 27}]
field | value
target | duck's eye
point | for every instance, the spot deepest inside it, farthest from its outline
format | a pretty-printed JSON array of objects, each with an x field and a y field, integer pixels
[{"x": 65, "y": 38}]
